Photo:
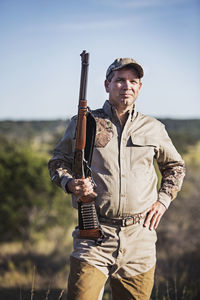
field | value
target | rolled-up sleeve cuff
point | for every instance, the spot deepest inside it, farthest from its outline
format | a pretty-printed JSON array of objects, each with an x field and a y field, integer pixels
[
  {"x": 164, "y": 199},
  {"x": 64, "y": 182}
]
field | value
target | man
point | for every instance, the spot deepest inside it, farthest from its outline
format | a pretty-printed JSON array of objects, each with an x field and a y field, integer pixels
[{"x": 128, "y": 204}]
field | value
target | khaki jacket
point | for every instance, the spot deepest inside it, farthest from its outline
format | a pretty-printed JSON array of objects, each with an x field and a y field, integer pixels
[{"x": 123, "y": 163}]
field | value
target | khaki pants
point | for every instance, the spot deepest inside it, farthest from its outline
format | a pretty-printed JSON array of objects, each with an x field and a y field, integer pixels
[
  {"x": 86, "y": 283},
  {"x": 127, "y": 256}
]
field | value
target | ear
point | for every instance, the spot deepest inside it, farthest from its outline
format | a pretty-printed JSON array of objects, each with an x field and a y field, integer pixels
[
  {"x": 106, "y": 84},
  {"x": 140, "y": 84}
]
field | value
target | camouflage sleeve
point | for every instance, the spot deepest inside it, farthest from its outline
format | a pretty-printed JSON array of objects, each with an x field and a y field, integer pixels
[
  {"x": 172, "y": 179},
  {"x": 58, "y": 169},
  {"x": 172, "y": 169},
  {"x": 60, "y": 165}
]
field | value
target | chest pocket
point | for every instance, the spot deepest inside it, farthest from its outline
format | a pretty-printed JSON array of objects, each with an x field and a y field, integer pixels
[{"x": 141, "y": 150}]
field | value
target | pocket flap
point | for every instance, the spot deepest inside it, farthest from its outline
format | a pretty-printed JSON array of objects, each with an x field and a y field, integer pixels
[{"x": 143, "y": 140}]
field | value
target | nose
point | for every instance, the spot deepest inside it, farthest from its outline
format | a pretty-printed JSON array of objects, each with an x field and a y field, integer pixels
[{"x": 126, "y": 85}]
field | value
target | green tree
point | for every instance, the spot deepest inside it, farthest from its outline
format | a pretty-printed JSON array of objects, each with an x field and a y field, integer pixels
[{"x": 28, "y": 199}]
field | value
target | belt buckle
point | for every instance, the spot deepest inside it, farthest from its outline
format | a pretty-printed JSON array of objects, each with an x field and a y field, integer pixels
[{"x": 127, "y": 221}]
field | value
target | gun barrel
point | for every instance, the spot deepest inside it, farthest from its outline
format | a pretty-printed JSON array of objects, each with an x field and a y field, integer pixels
[
  {"x": 84, "y": 75},
  {"x": 82, "y": 119}
]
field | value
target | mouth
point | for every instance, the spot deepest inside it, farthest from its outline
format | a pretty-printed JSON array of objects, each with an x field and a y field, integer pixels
[{"x": 126, "y": 95}]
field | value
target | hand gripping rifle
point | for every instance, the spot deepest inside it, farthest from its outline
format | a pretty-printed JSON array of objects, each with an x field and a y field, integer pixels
[{"x": 89, "y": 226}]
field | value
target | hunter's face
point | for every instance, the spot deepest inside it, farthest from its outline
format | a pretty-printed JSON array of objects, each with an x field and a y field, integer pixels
[{"x": 124, "y": 88}]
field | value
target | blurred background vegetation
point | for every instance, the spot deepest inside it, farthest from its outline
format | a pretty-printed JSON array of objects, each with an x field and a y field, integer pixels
[{"x": 37, "y": 218}]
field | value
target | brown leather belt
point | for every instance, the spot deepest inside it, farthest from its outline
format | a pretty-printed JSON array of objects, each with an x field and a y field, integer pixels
[{"x": 123, "y": 222}]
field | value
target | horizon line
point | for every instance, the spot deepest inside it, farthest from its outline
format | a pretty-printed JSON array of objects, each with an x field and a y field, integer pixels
[{"x": 69, "y": 117}]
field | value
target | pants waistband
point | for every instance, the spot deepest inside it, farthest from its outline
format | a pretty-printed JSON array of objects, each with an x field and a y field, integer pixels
[{"x": 123, "y": 222}]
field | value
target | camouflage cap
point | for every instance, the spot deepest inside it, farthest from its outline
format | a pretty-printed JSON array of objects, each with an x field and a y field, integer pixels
[{"x": 123, "y": 62}]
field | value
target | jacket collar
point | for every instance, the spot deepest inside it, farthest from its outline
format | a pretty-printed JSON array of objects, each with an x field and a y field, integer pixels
[{"x": 110, "y": 110}]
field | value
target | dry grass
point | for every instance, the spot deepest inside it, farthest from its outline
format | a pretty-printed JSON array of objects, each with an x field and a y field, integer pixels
[{"x": 48, "y": 257}]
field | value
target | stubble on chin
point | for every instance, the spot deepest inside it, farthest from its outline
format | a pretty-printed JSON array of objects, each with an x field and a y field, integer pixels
[
  {"x": 123, "y": 103},
  {"x": 127, "y": 101}
]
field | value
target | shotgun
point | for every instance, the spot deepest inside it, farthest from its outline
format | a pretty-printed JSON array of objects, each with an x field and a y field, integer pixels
[{"x": 88, "y": 223}]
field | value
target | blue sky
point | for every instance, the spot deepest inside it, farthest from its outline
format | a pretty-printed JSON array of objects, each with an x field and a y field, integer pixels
[{"x": 41, "y": 41}]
